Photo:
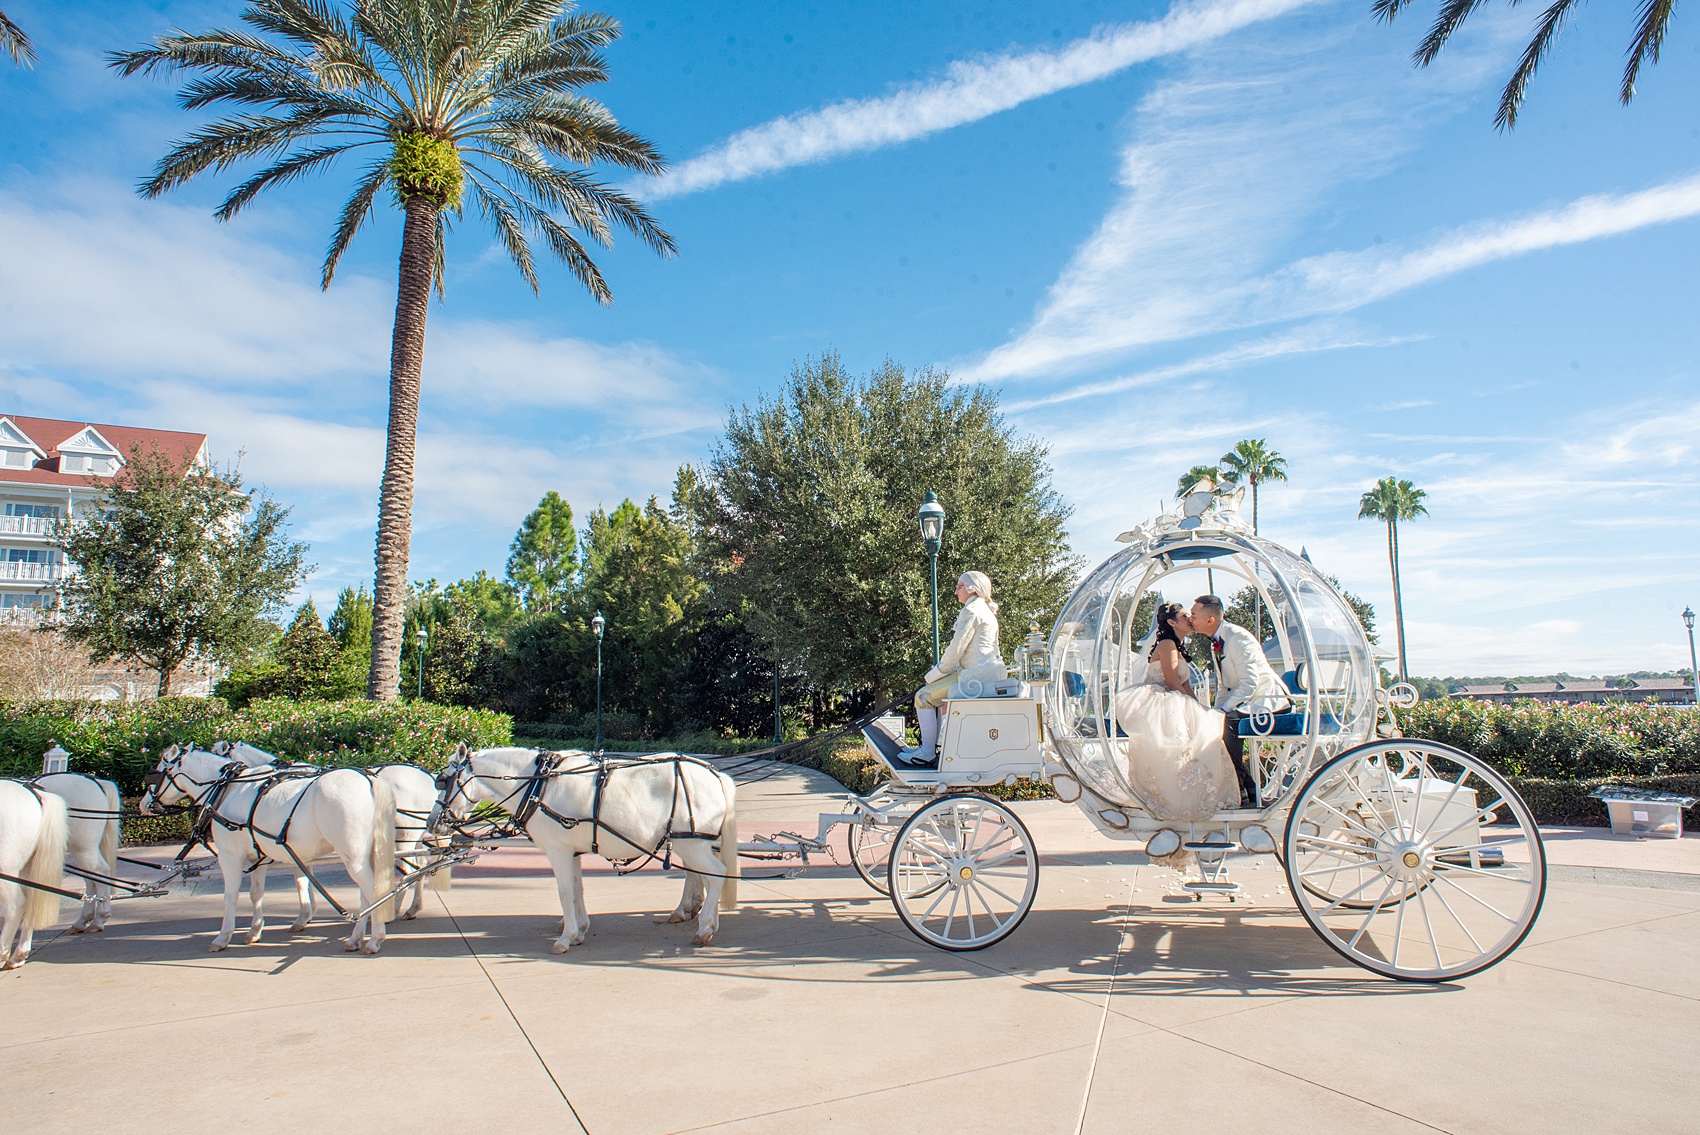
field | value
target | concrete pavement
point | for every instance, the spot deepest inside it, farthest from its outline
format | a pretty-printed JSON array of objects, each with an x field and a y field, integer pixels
[{"x": 1113, "y": 1008}]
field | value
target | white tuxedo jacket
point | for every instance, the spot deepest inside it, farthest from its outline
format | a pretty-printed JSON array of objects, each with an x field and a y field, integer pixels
[{"x": 1247, "y": 682}]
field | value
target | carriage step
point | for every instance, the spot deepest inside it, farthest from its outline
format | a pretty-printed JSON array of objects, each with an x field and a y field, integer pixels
[
  {"x": 1199, "y": 888},
  {"x": 1201, "y": 845}
]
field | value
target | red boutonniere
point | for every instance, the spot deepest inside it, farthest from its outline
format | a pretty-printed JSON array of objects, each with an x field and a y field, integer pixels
[{"x": 1216, "y": 647}]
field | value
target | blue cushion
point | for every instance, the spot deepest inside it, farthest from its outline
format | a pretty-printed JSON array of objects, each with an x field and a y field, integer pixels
[
  {"x": 1291, "y": 677},
  {"x": 1074, "y": 684},
  {"x": 1287, "y": 725}
]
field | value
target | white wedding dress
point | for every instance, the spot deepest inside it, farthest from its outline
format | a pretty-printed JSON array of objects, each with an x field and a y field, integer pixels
[{"x": 1177, "y": 762}]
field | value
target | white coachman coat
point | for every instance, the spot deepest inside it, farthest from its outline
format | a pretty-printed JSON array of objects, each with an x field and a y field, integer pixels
[{"x": 973, "y": 642}]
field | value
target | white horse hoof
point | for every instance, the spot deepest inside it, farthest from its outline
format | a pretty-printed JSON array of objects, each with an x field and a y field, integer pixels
[
  {"x": 75, "y": 929},
  {"x": 560, "y": 947},
  {"x": 297, "y": 927},
  {"x": 13, "y": 963},
  {"x": 676, "y": 917},
  {"x": 349, "y": 945},
  {"x": 370, "y": 948},
  {"x": 411, "y": 915},
  {"x": 703, "y": 939},
  {"x": 216, "y": 946}
]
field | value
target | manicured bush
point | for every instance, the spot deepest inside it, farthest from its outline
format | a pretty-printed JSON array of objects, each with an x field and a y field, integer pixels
[
  {"x": 121, "y": 742},
  {"x": 1564, "y": 742},
  {"x": 545, "y": 735}
]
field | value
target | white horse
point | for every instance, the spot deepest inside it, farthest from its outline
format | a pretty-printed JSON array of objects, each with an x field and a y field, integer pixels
[
  {"x": 645, "y": 802},
  {"x": 255, "y": 813},
  {"x": 415, "y": 791},
  {"x": 34, "y": 830},
  {"x": 93, "y": 806}
]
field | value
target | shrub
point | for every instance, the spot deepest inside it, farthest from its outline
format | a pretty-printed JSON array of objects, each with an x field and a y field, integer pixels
[
  {"x": 121, "y": 742},
  {"x": 545, "y": 735},
  {"x": 1564, "y": 742}
]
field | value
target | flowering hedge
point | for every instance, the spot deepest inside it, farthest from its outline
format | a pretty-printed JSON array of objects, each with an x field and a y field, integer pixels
[
  {"x": 1565, "y": 742},
  {"x": 122, "y": 742}
]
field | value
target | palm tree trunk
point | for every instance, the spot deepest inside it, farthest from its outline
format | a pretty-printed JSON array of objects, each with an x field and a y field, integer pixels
[
  {"x": 1254, "y": 506},
  {"x": 1398, "y": 602},
  {"x": 395, "y": 496}
]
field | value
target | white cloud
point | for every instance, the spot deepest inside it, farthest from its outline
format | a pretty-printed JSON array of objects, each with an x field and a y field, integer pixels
[{"x": 971, "y": 90}]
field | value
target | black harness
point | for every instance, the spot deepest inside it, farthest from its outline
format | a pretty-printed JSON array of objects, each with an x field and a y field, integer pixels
[{"x": 525, "y": 801}]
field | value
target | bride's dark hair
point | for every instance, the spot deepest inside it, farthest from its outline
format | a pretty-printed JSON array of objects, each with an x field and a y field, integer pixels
[{"x": 1165, "y": 613}]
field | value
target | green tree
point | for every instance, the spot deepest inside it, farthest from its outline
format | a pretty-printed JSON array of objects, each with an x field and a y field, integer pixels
[
  {"x": 1251, "y": 462},
  {"x": 807, "y": 514},
  {"x": 493, "y": 604},
  {"x": 351, "y": 623},
  {"x": 310, "y": 662},
  {"x": 173, "y": 565},
  {"x": 455, "y": 96},
  {"x": 1652, "y": 21},
  {"x": 543, "y": 561},
  {"x": 1393, "y": 501},
  {"x": 15, "y": 43},
  {"x": 1193, "y": 476}
]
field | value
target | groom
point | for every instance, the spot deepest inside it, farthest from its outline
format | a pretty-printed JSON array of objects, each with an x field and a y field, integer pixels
[{"x": 1246, "y": 683}]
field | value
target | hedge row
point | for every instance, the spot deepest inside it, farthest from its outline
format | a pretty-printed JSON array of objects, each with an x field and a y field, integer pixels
[
  {"x": 553, "y": 736},
  {"x": 121, "y": 742},
  {"x": 1564, "y": 742}
]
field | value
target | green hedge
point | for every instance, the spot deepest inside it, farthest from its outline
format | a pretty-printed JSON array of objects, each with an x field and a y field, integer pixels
[
  {"x": 121, "y": 742},
  {"x": 1564, "y": 742},
  {"x": 553, "y": 736}
]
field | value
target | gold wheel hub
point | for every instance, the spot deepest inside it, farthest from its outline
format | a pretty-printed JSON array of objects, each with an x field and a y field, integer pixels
[{"x": 964, "y": 873}]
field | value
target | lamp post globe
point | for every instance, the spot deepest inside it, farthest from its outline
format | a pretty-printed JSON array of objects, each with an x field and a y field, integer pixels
[
  {"x": 931, "y": 517},
  {"x": 421, "y": 636},
  {"x": 1693, "y": 663},
  {"x": 598, "y": 624}
]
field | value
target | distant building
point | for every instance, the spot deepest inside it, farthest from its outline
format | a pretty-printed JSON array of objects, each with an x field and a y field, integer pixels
[
  {"x": 49, "y": 469},
  {"x": 1579, "y": 690}
]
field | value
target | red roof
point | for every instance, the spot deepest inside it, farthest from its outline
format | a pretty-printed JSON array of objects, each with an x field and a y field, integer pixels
[{"x": 49, "y": 433}]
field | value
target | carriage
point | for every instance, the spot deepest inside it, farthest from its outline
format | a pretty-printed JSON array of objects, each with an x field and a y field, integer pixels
[{"x": 1410, "y": 858}]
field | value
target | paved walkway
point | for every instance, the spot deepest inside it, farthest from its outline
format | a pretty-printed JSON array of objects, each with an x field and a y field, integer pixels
[{"x": 1112, "y": 1009}]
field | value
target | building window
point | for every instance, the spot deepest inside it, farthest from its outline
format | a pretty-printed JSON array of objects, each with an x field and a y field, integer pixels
[
  {"x": 10, "y": 600},
  {"x": 15, "y": 458},
  {"x": 31, "y": 556},
  {"x": 44, "y": 511}
]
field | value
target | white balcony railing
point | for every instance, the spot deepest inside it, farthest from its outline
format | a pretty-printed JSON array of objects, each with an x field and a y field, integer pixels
[
  {"x": 26, "y": 525},
  {"x": 27, "y": 616},
  {"x": 32, "y": 573}
]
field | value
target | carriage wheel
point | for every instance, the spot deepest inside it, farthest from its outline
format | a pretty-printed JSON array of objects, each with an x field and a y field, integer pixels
[
  {"x": 1391, "y": 859},
  {"x": 963, "y": 872},
  {"x": 870, "y": 853}
]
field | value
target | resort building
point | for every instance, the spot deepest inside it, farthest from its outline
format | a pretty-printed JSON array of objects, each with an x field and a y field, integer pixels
[
  {"x": 1575, "y": 690},
  {"x": 49, "y": 469}
]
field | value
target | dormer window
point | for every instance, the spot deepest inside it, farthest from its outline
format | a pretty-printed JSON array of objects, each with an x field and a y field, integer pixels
[
  {"x": 89, "y": 454},
  {"x": 17, "y": 451}
]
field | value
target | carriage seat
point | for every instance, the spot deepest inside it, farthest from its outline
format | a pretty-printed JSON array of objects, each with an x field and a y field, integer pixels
[{"x": 1288, "y": 725}]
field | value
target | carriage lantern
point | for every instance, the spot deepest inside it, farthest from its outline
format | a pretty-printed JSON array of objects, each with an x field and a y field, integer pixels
[
  {"x": 1033, "y": 657},
  {"x": 55, "y": 759}
]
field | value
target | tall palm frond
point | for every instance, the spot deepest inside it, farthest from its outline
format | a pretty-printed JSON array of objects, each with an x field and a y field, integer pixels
[
  {"x": 1251, "y": 462},
  {"x": 443, "y": 99},
  {"x": 1652, "y": 22},
  {"x": 15, "y": 43}
]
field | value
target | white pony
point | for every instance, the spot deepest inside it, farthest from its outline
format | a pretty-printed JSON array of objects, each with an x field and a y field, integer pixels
[
  {"x": 93, "y": 807},
  {"x": 415, "y": 791},
  {"x": 256, "y": 813},
  {"x": 34, "y": 829},
  {"x": 645, "y": 802}
]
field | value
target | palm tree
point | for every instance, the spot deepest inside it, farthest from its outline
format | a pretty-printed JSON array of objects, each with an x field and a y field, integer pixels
[
  {"x": 1392, "y": 501},
  {"x": 1651, "y": 23},
  {"x": 449, "y": 96},
  {"x": 15, "y": 43},
  {"x": 1196, "y": 474},
  {"x": 1252, "y": 462}
]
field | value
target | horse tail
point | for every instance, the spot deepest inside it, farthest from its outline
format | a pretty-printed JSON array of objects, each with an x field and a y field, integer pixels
[
  {"x": 46, "y": 864},
  {"x": 729, "y": 844},
  {"x": 109, "y": 835},
  {"x": 383, "y": 846}
]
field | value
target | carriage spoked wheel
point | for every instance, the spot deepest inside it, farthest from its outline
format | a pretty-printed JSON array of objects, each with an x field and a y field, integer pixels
[
  {"x": 1415, "y": 860},
  {"x": 870, "y": 853},
  {"x": 963, "y": 872}
]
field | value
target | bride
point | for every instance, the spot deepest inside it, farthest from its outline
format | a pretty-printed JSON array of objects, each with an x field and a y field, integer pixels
[{"x": 1176, "y": 759}]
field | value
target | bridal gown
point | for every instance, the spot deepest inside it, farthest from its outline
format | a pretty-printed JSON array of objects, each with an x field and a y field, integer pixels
[{"x": 1177, "y": 762}]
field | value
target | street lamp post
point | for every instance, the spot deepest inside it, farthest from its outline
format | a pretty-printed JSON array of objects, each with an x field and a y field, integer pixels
[
  {"x": 931, "y": 519},
  {"x": 598, "y": 624},
  {"x": 1694, "y": 668},
  {"x": 421, "y": 636}
]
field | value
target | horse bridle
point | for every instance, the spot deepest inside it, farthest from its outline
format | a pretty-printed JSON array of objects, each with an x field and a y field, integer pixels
[{"x": 168, "y": 772}]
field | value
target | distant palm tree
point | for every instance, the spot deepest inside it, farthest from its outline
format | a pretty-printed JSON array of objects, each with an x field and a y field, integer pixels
[
  {"x": 452, "y": 94},
  {"x": 1252, "y": 462},
  {"x": 15, "y": 43},
  {"x": 1651, "y": 24},
  {"x": 1196, "y": 474},
  {"x": 1392, "y": 501}
]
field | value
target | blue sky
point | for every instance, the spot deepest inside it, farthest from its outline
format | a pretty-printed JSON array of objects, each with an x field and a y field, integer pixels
[{"x": 1155, "y": 229}]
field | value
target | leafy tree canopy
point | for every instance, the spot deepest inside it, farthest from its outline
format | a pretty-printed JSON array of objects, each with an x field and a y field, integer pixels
[
  {"x": 543, "y": 562},
  {"x": 173, "y": 565},
  {"x": 808, "y": 509}
]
